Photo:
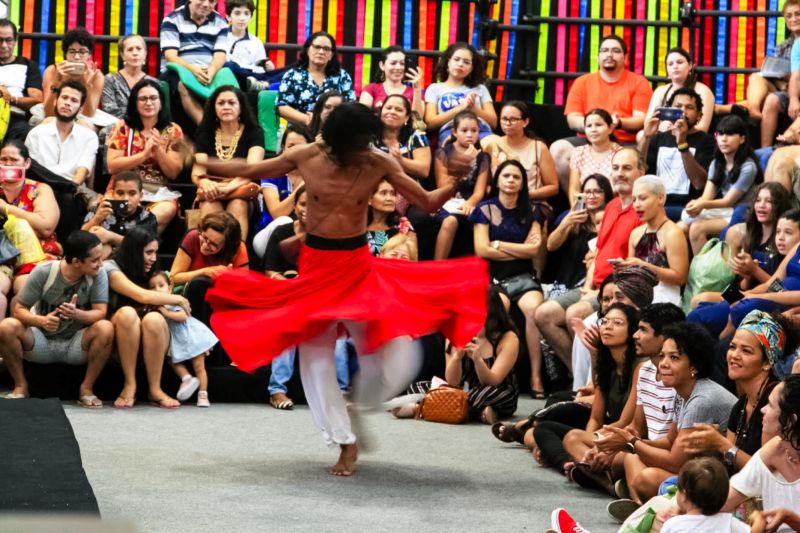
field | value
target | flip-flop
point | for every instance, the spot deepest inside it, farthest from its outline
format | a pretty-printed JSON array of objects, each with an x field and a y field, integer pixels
[
  {"x": 15, "y": 396},
  {"x": 284, "y": 405},
  {"x": 161, "y": 405},
  {"x": 127, "y": 403},
  {"x": 90, "y": 401}
]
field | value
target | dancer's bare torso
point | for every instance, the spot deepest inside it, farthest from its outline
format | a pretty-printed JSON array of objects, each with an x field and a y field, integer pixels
[{"x": 337, "y": 195}]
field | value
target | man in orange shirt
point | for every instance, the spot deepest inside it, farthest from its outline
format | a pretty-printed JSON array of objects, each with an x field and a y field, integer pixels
[{"x": 624, "y": 94}]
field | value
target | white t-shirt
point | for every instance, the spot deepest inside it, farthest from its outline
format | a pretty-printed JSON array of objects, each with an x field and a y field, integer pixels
[
  {"x": 447, "y": 97},
  {"x": 755, "y": 479},
  {"x": 718, "y": 523}
]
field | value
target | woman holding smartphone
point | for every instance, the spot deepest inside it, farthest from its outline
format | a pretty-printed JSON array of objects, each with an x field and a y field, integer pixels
[{"x": 397, "y": 76}]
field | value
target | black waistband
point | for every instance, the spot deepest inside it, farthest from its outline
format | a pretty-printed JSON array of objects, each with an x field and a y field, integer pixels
[{"x": 324, "y": 243}]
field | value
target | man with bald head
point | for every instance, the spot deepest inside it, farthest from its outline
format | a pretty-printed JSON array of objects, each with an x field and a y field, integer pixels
[{"x": 619, "y": 220}]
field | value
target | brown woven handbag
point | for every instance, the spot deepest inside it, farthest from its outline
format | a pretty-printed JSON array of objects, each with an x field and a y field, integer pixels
[{"x": 444, "y": 404}]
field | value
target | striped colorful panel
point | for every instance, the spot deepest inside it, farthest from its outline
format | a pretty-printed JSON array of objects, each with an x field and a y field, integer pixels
[{"x": 433, "y": 24}]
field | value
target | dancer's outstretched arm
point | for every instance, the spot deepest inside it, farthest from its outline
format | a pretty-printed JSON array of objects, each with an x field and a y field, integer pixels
[
  {"x": 430, "y": 201},
  {"x": 268, "y": 168}
]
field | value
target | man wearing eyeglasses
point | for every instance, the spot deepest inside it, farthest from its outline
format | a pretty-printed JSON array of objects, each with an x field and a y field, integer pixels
[
  {"x": 78, "y": 65},
  {"x": 624, "y": 94},
  {"x": 20, "y": 82}
]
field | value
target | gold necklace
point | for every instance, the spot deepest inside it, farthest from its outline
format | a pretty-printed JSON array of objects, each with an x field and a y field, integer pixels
[{"x": 227, "y": 152}]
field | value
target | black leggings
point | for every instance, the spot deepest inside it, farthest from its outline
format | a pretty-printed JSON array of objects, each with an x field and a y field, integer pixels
[{"x": 550, "y": 432}]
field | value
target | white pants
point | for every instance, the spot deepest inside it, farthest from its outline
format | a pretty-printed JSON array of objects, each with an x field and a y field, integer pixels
[
  {"x": 582, "y": 357},
  {"x": 380, "y": 377}
]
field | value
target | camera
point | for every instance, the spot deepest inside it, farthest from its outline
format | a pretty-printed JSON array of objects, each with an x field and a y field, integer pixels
[
  {"x": 670, "y": 114},
  {"x": 12, "y": 173}
]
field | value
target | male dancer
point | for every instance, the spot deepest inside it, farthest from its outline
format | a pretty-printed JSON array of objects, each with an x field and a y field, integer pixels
[{"x": 340, "y": 282}]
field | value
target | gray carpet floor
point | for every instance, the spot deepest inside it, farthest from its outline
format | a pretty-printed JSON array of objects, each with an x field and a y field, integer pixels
[{"x": 252, "y": 468}]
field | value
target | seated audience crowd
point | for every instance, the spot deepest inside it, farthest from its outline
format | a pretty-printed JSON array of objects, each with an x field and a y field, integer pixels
[{"x": 655, "y": 264}]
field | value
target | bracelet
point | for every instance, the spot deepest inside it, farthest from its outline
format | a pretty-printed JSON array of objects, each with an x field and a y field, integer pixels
[
  {"x": 631, "y": 444},
  {"x": 683, "y": 147}
]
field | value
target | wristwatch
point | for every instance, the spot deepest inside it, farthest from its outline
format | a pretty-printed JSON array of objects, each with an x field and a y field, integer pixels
[
  {"x": 496, "y": 245},
  {"x": 683, "y": 147},
  {"x": 631, "y": 444},
  {"x": 730, "y": 455}
]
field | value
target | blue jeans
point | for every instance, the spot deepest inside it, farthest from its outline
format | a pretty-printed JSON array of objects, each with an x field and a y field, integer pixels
[{"x": 282, "y": 368}]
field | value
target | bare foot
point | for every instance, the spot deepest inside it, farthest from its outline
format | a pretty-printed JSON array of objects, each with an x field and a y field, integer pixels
[
  {"x": 537, "y": 455},
  {"x": 18, "y": 393},
  {"x": 162, "y": 400},
  {"x": 345, "y": 466},
  {"x": 126, "y": 398}
]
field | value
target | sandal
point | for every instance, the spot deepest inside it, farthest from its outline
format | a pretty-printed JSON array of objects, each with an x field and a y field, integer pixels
[
  {"x": 538, "y": 394},
  {"x": 90, "y": 401},
  {"x": 281, "y": 401},
  {"x": 511, "y": 432},
  {"x": 165, "y": 403}
]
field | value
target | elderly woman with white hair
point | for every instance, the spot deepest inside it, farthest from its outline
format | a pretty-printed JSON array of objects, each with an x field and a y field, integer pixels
[{"x": 658, "y": 244}]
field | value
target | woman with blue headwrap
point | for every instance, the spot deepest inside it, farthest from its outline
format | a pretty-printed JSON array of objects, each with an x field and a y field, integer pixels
[{"x": 756, "y": 347}]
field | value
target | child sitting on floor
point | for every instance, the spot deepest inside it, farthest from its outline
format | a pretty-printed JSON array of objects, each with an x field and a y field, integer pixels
[
  {"x": 702, "y": 491},
  {"x": 189, "y": 339}
]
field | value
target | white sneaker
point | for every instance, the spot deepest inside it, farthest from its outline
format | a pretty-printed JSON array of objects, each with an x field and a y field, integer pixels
[
  {"x": 187, "y": 388},
  {"x": 256, "y": 85},
  {"x": 202, "y": 399}
]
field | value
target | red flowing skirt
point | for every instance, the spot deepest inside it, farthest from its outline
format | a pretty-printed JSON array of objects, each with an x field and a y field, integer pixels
[{"x": 256, "y": 318}]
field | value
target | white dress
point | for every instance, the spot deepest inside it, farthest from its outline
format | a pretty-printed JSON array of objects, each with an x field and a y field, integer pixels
[{"x": 189, "y": 338}]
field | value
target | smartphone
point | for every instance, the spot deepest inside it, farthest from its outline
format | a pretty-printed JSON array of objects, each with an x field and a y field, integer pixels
[
  {"x": 614, "y": 260},
  {"x": 12, "y": 174},
  {"x": 119, "y": 207},
  {"x": 411, "y": 62},
  {"x": 670, "y": 114},
  {"x": 580, "y": 201},
  {"x": 775, "y": 286},
  {"x": 732, "y": 294},
  {"x": 77, "y": 67}
]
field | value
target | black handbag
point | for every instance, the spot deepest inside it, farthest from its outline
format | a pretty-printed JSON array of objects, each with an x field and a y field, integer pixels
[{"x": 516, "y": 286}]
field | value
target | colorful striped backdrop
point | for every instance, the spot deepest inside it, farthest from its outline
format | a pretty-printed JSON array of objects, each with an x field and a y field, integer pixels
[{"x": 432, "y": 25}]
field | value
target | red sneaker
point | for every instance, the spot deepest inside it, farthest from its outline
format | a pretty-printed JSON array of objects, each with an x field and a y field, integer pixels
[{"x": 562, "y": 522}]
